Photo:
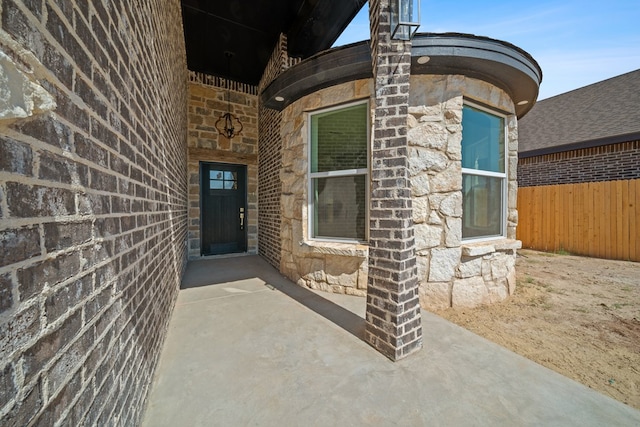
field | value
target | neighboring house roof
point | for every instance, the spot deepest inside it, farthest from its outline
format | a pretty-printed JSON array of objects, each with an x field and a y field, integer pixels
[{"x": 603, "y": 113}]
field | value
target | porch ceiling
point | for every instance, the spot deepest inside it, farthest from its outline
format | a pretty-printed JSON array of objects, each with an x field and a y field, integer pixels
[{"x": 250, "y": 30}]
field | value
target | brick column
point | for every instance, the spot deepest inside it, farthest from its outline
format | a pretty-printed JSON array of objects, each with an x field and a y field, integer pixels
[{"x": 393, "y": 324}]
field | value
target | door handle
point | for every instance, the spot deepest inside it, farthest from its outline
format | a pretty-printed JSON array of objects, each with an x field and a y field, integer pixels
[{"x": 241, "y": 218}]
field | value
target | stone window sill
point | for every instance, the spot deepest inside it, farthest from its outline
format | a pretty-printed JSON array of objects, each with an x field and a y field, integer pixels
[
  {"x": 336, "y": 248},
  {"x": 483, "y": 248}
]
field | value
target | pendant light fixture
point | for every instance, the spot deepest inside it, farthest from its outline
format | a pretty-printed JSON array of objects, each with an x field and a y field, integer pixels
[{"x": 228, "y": 125}]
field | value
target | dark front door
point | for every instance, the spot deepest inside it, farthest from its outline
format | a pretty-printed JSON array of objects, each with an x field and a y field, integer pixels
[{"x": 223, "y": 208}]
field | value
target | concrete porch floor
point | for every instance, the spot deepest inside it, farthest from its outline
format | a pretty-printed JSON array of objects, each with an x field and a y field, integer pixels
[{"x": 247, "y": 347}]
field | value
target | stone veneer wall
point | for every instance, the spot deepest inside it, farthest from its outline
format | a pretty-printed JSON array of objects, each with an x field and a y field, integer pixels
[
  {"x": 207, "y": 102},
  {"x": 336, "y": 267},
  {"x": 451, "y": 273},
  {"x": 93, "y": 205}
]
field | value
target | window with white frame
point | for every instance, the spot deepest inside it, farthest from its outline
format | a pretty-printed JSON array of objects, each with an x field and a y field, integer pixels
[
  {"x": 483, "y": 173},
  {"x": 338, "y": 173}
]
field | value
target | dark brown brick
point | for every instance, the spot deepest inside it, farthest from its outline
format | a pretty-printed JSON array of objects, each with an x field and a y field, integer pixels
[
  {"x": 24, "y": 411},
  {"x": 102, "y": 181},
  {"x": 96, "y": 66},
  {"x": 66, "y": 298},
  {"x": 69, "y": 362},
  {"x": 90, "y": 97},
  {"x": 15, "y": 157},
  {"x": 87, "y": 149},
  {"x": 103, "y": 41},
  {"x": 6, "y": 294},
  {"x": 97, "y": 304},
  {"x": 20, "y": 329},
  {"x": 49, "y": 346},
  {"x": 120, "y": 165},
  {"x": 127, "y": 151},
  {"x": 77, "y": 412},
  {"x": 106, "y": 227},
  {"x": 103, "y": 134},
  {"x": 7, "y": 384},
  {"x": 60, "y": 169},
  {"x": 127, "y": 223},
  {"x": 84, "y": 9},
  {"x": 94, "y": 204},
  {"x": 102, "y": 394},
  {"x": 18, "y": 25},
  {"x": 46, "y": 129},
  {"x": 63, "y": 235},
  {"x": 66, "y": 7},
  {"x": 98, "y": 252},
  {"x": 19, "y": 244},
  {"x": 615, "y": 162},
  {"x": 68, "y": 109},
  {"x": 101, "y": 17},
  {"x": 120, "y": 205},
  {"x": 61, "y": 32},
  {"x": 32, "y": 279},
  {"x": 58, "y": 63},
  {"x": 60, "y": 402}
]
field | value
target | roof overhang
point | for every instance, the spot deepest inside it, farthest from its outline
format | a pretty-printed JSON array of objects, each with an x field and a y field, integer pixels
[
  {"x": 250, "y": 30},
  {"x": 499, "y": 63}
]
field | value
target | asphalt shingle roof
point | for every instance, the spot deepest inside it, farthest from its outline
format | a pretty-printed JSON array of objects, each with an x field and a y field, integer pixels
[{"x": 598, "y": 114}]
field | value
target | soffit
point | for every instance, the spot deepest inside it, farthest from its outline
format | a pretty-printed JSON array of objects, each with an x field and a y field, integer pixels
[{"x": 250, "y": 30}]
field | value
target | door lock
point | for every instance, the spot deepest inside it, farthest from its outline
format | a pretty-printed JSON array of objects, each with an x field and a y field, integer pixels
[{"x": 241, "y": 218}]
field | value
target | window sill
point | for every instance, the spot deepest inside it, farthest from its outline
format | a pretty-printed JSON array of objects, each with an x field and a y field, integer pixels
[
  {"x": 483, "y": 248},
  {"x": 358, "y": 250}
]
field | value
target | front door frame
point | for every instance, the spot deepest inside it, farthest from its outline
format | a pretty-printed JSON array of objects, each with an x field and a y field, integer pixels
[{"x": 241, "y": 169}]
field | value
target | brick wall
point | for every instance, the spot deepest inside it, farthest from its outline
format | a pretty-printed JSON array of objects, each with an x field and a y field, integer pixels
[
  {"x": 92, "y": 205},
  {"x": 207, "y": 102},
  {"x": 269, "y": 185},
  {"x": 270, "y": 153},
  {"x": 393, "y": 324},
  {"x": 603, "y": 163}
]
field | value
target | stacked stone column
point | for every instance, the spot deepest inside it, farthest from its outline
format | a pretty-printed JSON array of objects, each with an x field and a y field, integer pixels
[{"x": 393, "y": 323}]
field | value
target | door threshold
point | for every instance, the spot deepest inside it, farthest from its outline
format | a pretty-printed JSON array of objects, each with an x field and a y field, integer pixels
[{"x": 232, "y": 255}]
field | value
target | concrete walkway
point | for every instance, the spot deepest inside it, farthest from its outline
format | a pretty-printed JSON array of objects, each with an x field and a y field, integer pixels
[{"x": 247, "y": 347}]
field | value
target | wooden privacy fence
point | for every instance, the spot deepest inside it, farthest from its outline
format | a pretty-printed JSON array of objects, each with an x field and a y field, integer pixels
[{"x": 598, "y": 219}]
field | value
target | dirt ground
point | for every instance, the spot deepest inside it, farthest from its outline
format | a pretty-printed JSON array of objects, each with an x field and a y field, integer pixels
[{"x": 578, "y": 316}]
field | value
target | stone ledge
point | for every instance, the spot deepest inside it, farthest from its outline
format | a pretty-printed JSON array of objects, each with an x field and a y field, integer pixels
[
  {"x": 484, "y": 248},
  {"x": 334, "y": 248},
  {"x": 508, "y": 244}
]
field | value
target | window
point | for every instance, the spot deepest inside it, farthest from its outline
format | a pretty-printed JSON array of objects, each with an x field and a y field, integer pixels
[
  {"x": 222, "y": 180},
  {"x": 483, "y": 174},
  {"x": 338, "y": 168}
]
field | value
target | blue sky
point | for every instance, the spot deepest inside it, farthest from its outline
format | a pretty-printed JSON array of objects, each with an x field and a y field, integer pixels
[{"x": 575, "y": 42}]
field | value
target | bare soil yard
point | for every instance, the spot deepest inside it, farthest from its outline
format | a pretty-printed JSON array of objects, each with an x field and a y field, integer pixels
[{"x": 578, "y": 316}]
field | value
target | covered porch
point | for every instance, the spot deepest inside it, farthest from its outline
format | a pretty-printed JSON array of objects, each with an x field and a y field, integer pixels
[{"x": 246, "y": 346}]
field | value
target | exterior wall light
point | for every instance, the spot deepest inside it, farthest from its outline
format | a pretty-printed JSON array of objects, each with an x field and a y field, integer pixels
[
  {"x": 228, "y": 124},
  {"x": 405, "y": 19}
]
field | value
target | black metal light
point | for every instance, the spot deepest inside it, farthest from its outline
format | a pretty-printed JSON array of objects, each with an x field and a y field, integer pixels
[
  {"x": 228, "y": 124},
  {"x": 405, "y": 18}
]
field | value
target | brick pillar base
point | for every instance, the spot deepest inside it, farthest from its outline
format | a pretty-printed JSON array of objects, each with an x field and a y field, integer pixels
[{"x": 393, "y": 323}]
